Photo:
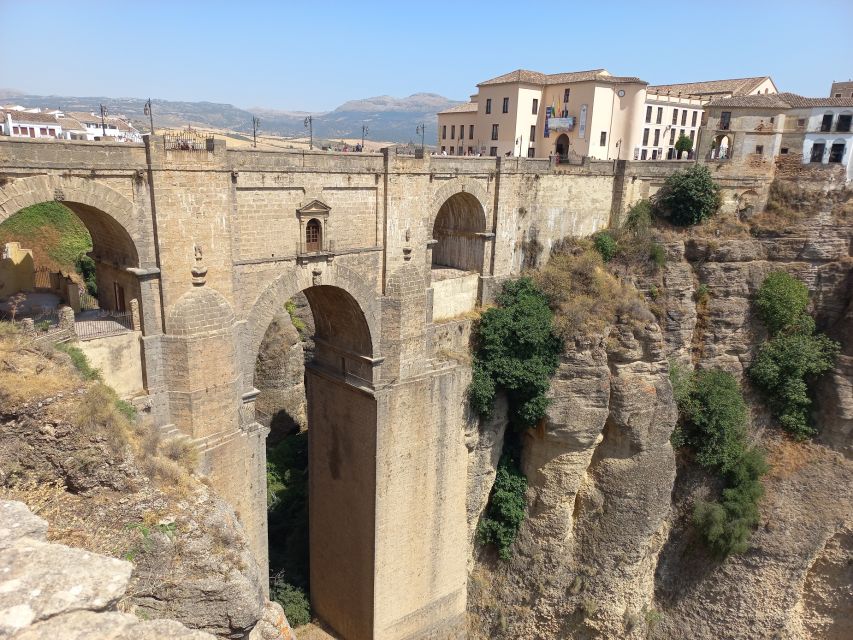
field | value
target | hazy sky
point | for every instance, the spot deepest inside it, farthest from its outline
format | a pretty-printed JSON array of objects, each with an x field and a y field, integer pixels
[{"x": 315, "y": 54}]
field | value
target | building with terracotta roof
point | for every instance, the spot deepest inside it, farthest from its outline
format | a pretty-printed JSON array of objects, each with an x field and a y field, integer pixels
[
  {"x": 527, "y": 113},
  {"x": 112, "y": 127},
  {"x": 754, "y": 128},
  {"x": 25, "y": 123}
]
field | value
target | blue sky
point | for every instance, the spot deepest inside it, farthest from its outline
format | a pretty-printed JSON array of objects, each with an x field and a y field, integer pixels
[{"x": 314, "y": 55}]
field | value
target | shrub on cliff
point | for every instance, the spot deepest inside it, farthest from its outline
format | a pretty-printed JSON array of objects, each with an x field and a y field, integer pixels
[
  {"x": 688, "y": 197},
  {"x": 517, "y": 352},
  {"x": 792, "y": 355},
  {"x": 505, "y": 512},
  {"x": 605, "y": 244},
  {"x": 713, "y": 418}
]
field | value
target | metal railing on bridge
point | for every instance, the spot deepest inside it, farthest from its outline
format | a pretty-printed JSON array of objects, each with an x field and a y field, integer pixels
[
  {"x": 106, "y": 323},
  {"x": 187, "y": 140}
]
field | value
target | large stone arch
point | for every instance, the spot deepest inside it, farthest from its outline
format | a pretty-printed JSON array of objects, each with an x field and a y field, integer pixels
[
  {"x": 460, "y": 185},
  {"x": 88, "y": 198},
  {"x": 295, "y": 280}
]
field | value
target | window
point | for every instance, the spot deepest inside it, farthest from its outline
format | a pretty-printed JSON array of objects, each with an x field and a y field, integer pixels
[
  {"x": 843, "y": 123},
  {"x": 535, "y": 106},
  {"x": 532, "y": 132},
  {"x": 784, "y": 151},
  {"x": 772, "y": 119},
  {"x": 313, "y": 235},
  {"x": 452, "y": 149},
  {"x": 725, "y": 120},
  {"x": 43, "y": 131},
  {"x": 648, "y": 114},
  {"x": 493, "y": 151},
  {"x": 657, "y": 137},
  {"x": 670, "y": 154},
  {"x": 683, "y": 117},
  {"x": 506, "y": 105},
  {"x": 443, "y": 148},
  {"x": 759, "y": 149},
  {"x": 470, "y": 151},
  {"x": 836, "y": 152},
  {"x": 675, "y": 116},
  {"x": 654, "y": 154},
  {"x": 645, "y": 137},
  {"x": 488, "y": 106},
  {"x": 494, "y": 132},
  {"x": 444, "y": 132},
  {"x": 660, "y": 115},
  {"x": 681, "y": 133},
  {"x": 470, "y": 131},
  {"x": 643, "y": 154},
  {"x": 452, "y": 132},
  {"x": 603, "y": 139},
  {"x": 695, "y": 117},
  {"x": 531, "y": 152},
  {"x": 672, "y": 136},
  {"x": 566, "y": 95},
  {"x": 837, "y": 95},
  {"x": 693, "y": 135},
  {"x": 801, "y": 122},
  {"x": 826, "y": 123},
  {"x": 817, "y": 152},
  {"x": 16, "y": 129}
]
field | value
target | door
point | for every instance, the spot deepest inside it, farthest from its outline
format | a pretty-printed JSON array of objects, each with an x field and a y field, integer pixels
[
  {"x": 313, "y": 235},
  {"x": 119, "y": 294},
  {"x": 817, "y": 152}
]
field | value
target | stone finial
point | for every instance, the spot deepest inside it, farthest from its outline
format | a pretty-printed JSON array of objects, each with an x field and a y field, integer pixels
[{"x": 199, "y": 271}]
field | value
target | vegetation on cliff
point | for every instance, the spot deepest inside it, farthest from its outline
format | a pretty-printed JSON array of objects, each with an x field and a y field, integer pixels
[
  {"x": 792, "y": 355},
  {"x": 517, "y": 353},
  {"x": 713, "y": 420},
  {"x": 689, "y": 196},
  {"x": 56, "y": 236}
]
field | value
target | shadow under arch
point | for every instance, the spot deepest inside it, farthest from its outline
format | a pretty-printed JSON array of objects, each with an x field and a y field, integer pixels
[
  {"x": 459, "y": 233},
  {"x": 340, "y": 455}
]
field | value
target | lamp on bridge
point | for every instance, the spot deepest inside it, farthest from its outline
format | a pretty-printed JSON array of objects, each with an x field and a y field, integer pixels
[{"x": 150, "y": 113}]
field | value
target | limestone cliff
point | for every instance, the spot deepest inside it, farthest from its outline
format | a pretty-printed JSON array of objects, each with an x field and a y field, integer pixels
[
  {"x": 608, "y": 549},
  {"x": 113, "y": 486}
]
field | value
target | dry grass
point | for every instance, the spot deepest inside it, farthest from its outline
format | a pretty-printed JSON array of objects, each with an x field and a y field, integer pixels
[
  {"x": 585, "y": 297},
  {"x": 27, "y": 373},
  {"x": 181, "y": 451}
]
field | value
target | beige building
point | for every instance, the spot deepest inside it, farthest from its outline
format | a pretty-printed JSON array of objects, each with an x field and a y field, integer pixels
[
  {"x": 583, "y": 113},
  {"x": 843, "y": 89},
  {"x": 527, "y": 113},
  {"x": 671, "y": 110},
  {"x": 758, "y": 128}
]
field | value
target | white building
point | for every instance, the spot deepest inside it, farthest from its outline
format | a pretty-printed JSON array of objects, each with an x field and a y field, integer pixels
[
  {"x": 21, "y": 123},
  {"x": 112, "y": 127}
]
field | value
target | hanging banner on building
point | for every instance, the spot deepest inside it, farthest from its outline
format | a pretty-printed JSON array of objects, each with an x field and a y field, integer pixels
[
  {"x": 582, "y": 124},
  {"x": 548, "y": 113}
]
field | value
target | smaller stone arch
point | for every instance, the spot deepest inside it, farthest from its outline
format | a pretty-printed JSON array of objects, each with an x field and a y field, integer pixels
[
  {"x": 264, "y": 308},
  {"x": 470, "y": 186}
]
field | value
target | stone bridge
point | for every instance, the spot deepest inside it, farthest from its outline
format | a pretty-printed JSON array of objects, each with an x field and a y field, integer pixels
[{"x": 211, "y": 242}]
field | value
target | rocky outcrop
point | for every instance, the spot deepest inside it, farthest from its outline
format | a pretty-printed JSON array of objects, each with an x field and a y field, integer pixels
[
  {"x": 600, "y": 470},
  {"x": 50, "y": 591}
]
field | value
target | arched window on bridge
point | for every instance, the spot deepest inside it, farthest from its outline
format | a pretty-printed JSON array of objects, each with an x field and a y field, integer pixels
[{"x": 313, "y": 236}]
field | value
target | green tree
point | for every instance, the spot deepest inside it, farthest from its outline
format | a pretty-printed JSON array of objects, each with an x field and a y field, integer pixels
[
  {"x": 506, "y": 509},
  {"x": 605, "y": 245},
  {"x": 517, "y": 352},
  {"x": 781, "y": 301},
  {"x": 683, "y": 145},
  {"x": 689, "y": 196},
  {"x": 713, "y": 418},
  {"x": 792, "y": 355}
]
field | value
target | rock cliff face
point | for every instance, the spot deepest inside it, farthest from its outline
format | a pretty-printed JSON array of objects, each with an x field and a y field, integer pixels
[
  {"x": 600, "y": 469},
  {"x": 107, "y": 488},
  {"x": 608, "y": 549}
]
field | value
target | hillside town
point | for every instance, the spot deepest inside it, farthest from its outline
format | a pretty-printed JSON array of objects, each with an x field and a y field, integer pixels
[
  {"x": 23, "y": 122},
  {"x": 594, "y": 114}
]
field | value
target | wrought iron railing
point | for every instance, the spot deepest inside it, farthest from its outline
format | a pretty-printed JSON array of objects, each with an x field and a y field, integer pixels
[
  {"x": 187, "y": 140},
  {"x": 107, "y": 323}
]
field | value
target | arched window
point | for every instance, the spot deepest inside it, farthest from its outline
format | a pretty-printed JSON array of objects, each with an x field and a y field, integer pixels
[{"x": 313, "y": 236}]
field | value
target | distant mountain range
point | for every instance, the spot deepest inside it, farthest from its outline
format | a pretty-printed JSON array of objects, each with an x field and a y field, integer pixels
[{"x": 387, "y": 118}]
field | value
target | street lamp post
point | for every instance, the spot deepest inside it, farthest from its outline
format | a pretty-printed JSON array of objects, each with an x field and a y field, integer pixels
[
  {"x": 309, "y": 124},
  {"x": 103, "y": 121},
  {"x": 364, "y": 132},
  {"x": 150, "y": 113},
  {"x": 256, "y": 124},
  {"x": 421, "y": 130}
]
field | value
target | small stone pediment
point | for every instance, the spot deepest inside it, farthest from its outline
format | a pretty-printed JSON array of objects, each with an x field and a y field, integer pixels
[{"x": 314, "y": 209}]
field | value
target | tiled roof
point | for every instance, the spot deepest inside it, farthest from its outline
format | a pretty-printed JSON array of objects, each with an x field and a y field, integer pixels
[
  {"x": 70, "y": 124},
  {"x": 84, "y": 117},
  {"x": 798, "y": 101},
  {"x": 735, "y": 87},
  {"x": 780, "y": 101},
  {"x": 465, "y": 107},
  {"x": 535, "y": 77},
  {"x": 27, "y": 117}
]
